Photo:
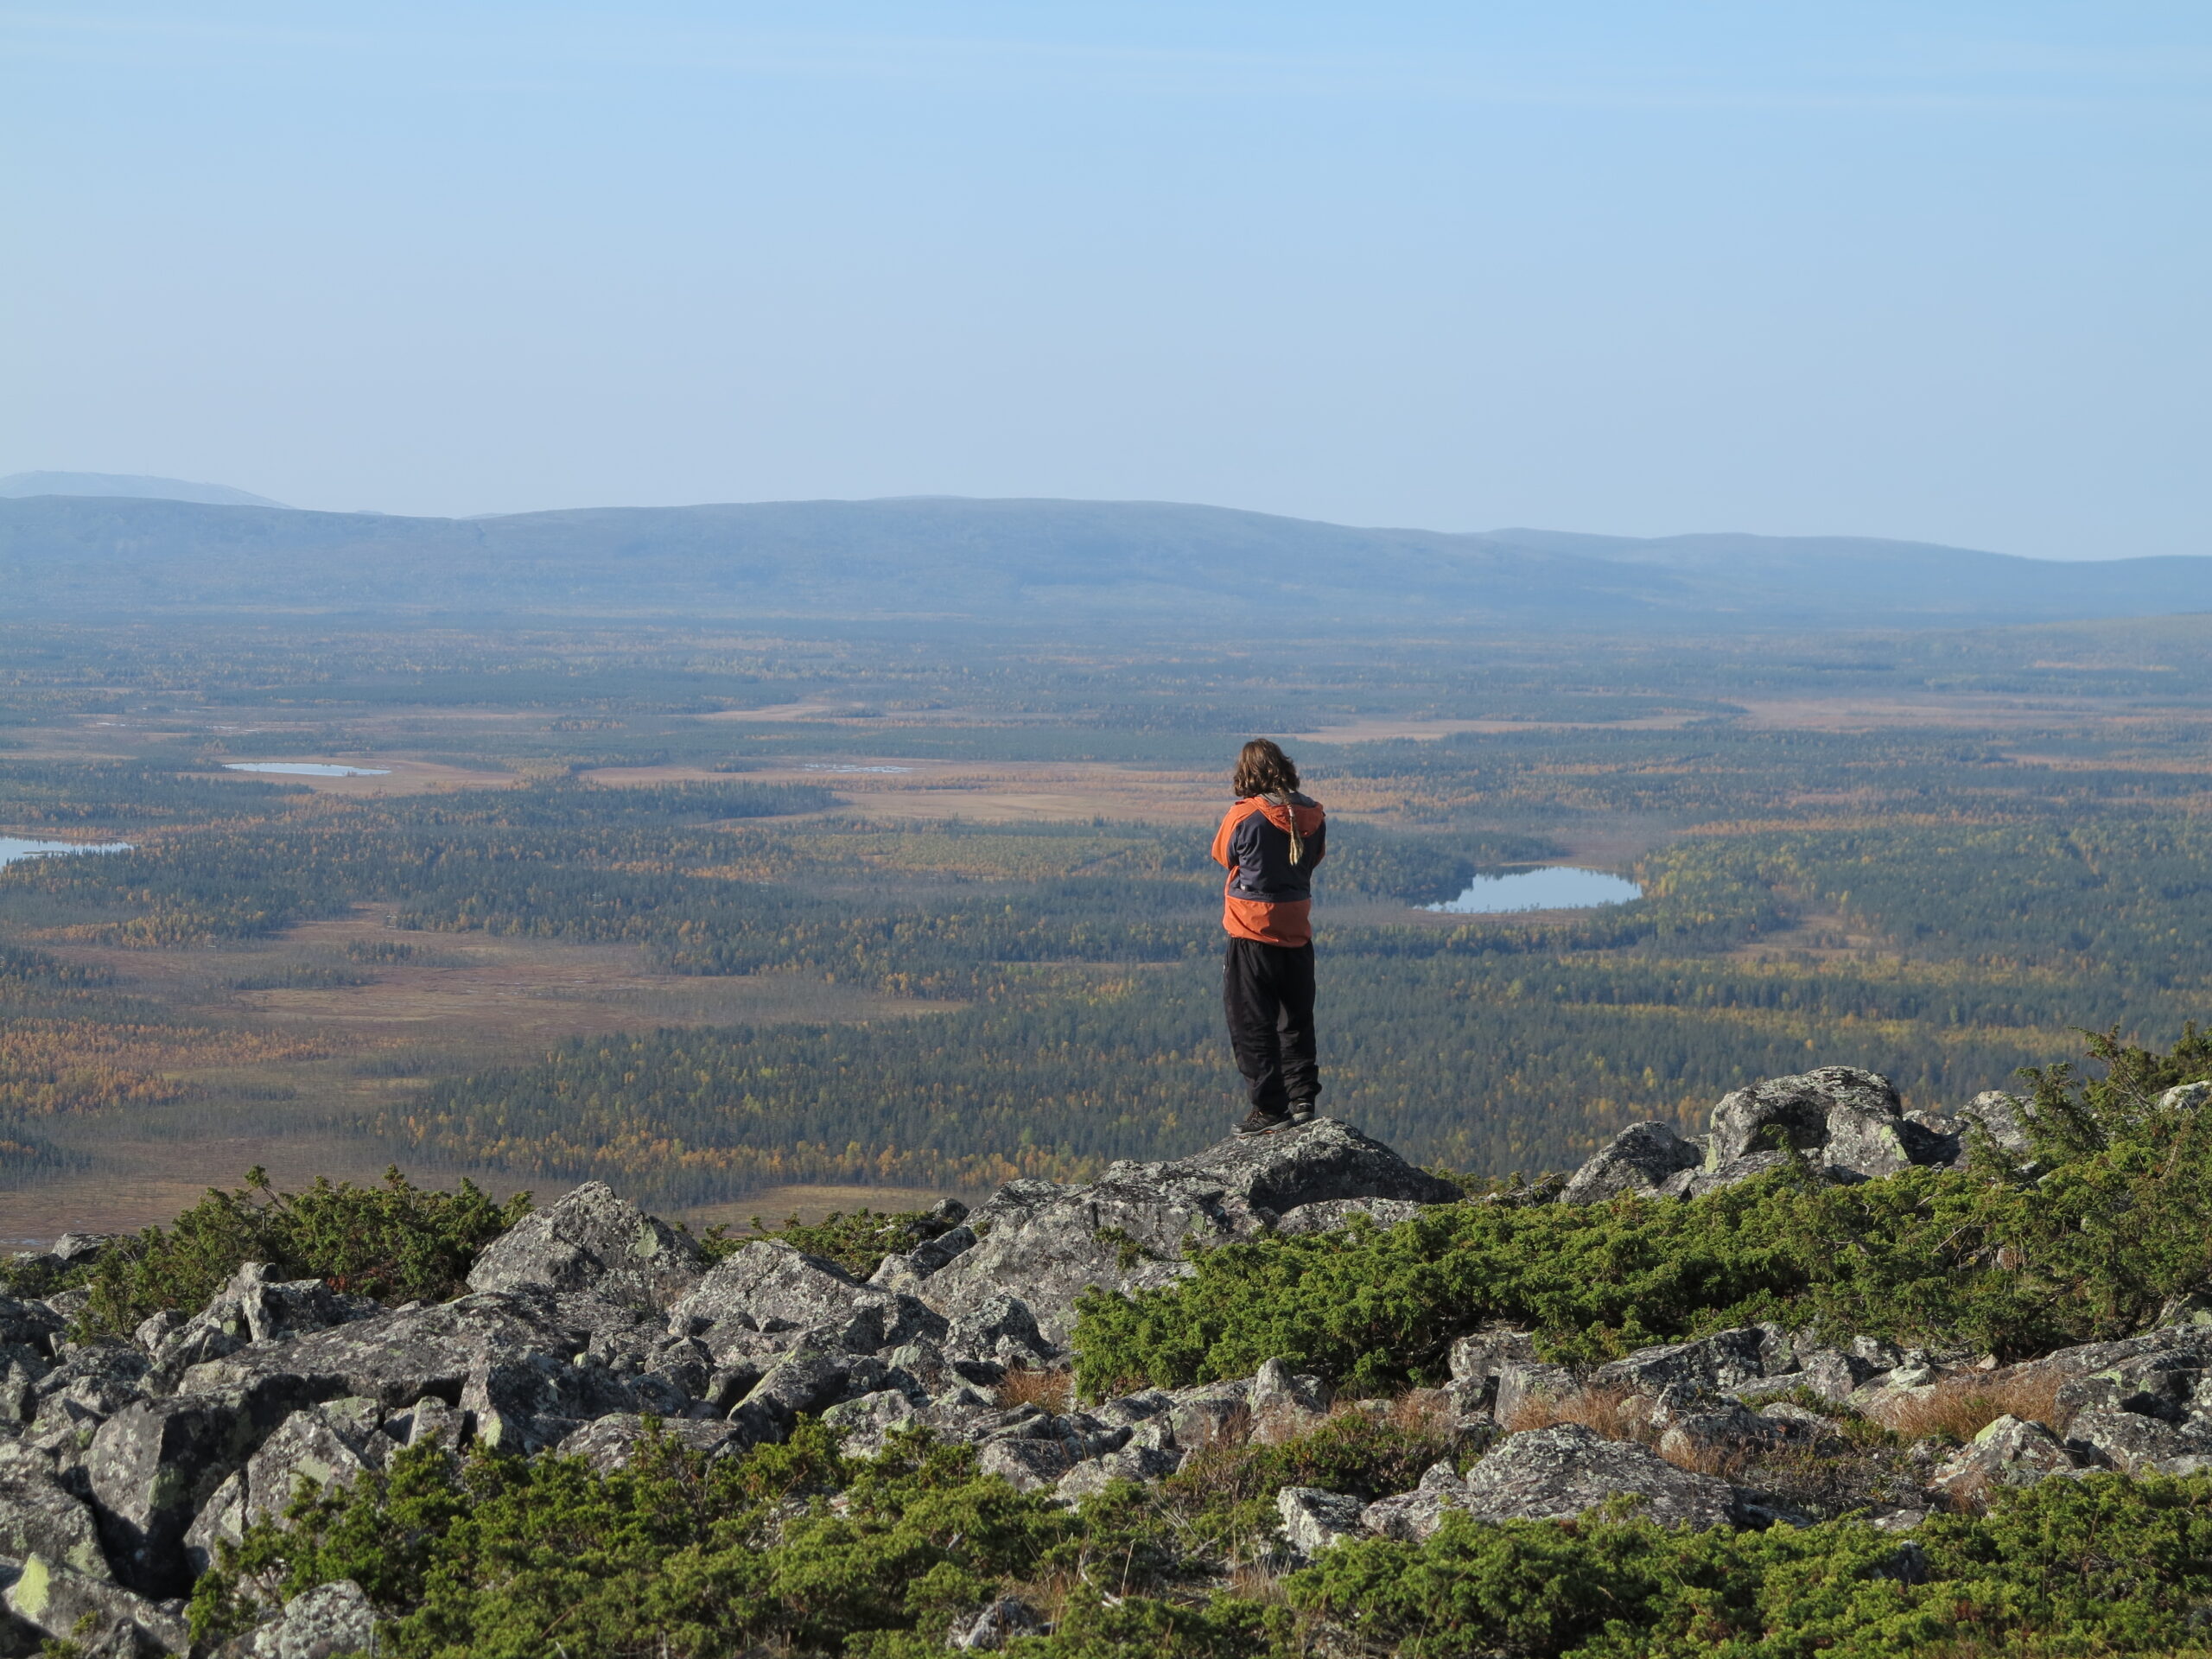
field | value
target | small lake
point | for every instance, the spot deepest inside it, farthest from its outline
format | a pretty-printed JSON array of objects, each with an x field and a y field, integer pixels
[
  {"x": 307, "y": 768},
  {"x": 12, "y": 849},
  {"x": 1558, "y": 886},
  {"x": 815, "y": 766}
]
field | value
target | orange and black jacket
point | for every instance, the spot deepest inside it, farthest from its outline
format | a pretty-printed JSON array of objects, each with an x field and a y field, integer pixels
[{"x": 1270, "y": 894}]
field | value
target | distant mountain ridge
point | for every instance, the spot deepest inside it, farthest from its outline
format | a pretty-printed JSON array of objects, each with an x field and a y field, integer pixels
[
  {"x": 134, "y": 484},
  {"x": 1050, "y": 563}
]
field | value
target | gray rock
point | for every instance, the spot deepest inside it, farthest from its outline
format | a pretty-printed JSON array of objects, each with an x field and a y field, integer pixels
[
  {"x": 1314, "y": 1520},
  {"x": 325, "y": 1623},
  {"x": 1128, "y": 1230},
  {"x": 1525, "y": 1386},
  {"x": 1729, "y": 1434},
  {"x": 31, "y": 1325},
  {"x": 1413, "y": 1517},
  {"x": 1284, "y": 1406},
  {"x": 869, "y": 1420},
  {"x": 2186, "y": 1097},
  {"x": 1331, "y": 1214},
  {"x": 1558, "y": 1472},
  {"x": 1132, "y": 1462},
  {"x": 769, "y": 1286},
  {"x": 803, "y": 1382},
  {"x": 1476, "y": 1360},
  {"x": 2137, "y": 1444},
  {"x": 324, "y": 1445},
  {"x": 62, "y": 1603},
  {"x": 1836, "y": 1116},
  {"x": 992, "y": 1629},
  {"x": 1639, "y": 1159},
  {"x": 610, "y": 1442},
  {"x": 1206, "y": 1412},
  {"x": 398, "y": 1358},
  {"x": 101, "y": 1375},
  {"x": 254, "y": 1308},
  {"x": 525, "y": 1402},
  {"x": 1696, "y": 1183},
  {"x": 2008, "y": 1452},
  {"x": 1723, "y": 1360},
  {"x": 37, "y": 1517},
  {"x": 999, "y": 1329},
  {"x": 153, "y": 1466},
  {"x": 1834, "y": 1375},
  {"x": 592, "y": 1240},
  {"x": 906, "y": 1270},
  {"x": 2000, "y": 1116}
]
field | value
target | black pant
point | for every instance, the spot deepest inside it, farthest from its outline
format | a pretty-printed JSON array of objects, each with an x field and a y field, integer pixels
[{"x": 1267, "y": 990}]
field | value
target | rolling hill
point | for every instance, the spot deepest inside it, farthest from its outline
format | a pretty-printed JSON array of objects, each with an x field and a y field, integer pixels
[{"x": 1044, "y": 562}]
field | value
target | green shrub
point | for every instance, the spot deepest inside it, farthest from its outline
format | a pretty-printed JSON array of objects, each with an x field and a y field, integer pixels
[
  {"x": 2003, "y": 1257},
  {"x": 2101, "y": 1566},
  {"x": 493, "y": 1557},
  {"x": 397, "y": 1242}
]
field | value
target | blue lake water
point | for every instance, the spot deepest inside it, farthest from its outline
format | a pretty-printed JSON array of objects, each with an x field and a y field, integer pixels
[
  {"x": 1557, "y": 887},
  {"x": 815, "y": 766},
  {"x": 307, "y": 768},
  {"x": 12, "y": 849}
]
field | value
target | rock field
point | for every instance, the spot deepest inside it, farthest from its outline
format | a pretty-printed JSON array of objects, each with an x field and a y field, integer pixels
[{"x": 124, "y": 1462}]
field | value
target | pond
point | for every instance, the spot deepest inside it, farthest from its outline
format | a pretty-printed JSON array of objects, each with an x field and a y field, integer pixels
[
  {"x": 813, "y": 766},
  {"x": 1556, "y": 887},
  {"x": 12, "y": 849},
  {"x": 307, "y": 768}
]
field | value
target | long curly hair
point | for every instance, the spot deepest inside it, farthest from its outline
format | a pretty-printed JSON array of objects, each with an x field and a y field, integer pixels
[{"x": 1263, "y": 769}]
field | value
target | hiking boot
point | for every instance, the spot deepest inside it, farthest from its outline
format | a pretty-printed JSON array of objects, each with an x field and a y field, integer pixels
[
  {"x": 1259, "y": 1123},
  {"x": 1301, "y": 1112}
]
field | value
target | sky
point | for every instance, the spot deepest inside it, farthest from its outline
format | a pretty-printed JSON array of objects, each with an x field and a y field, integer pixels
[{"x": 1928, "y": 270}]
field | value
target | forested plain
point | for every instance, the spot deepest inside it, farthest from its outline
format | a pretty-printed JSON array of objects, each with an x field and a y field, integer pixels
[{"x": 1931, "y": 854}]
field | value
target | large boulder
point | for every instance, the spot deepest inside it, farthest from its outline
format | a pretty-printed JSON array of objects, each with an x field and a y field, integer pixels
[
  {"x": 398, "y": 1358},
  {"x": 37, "y": 1517},
  {"x": 253, "y": 1308},
  {"x": 322, "y": 1446},
  {"x": 1836, "y": 1115},
  {"x": 2008, "y": 1452},
  {"x": 332, "y": 1621},
  {"x": 592, "y": 1240},
  {"x": 1047, "y": 1244},
  {"x": 1554, "y": 1474},
  {"x": 73, "y": 1606},
  {"x": 1726, "y": 1359},
  {"x": 1638, "y": 1159},
  {"x": 153, "y": 1465},
  {"x": 1314, "y": 1520},
  {"x": 769, "y": 1286}
]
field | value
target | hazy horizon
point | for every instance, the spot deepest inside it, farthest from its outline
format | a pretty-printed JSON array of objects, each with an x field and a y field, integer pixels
[{"x": 1917, "y": 274}]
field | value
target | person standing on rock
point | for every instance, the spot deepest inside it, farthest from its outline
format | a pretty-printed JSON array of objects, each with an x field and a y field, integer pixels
[{"x": 1269, "y": 844}]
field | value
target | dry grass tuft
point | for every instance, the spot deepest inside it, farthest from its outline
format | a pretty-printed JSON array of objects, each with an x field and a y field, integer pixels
[
  {"x": 1961, "y": 1408},
  {"x": 1052, "y": 1391},
  {"x": 1611, "y": 1414}
]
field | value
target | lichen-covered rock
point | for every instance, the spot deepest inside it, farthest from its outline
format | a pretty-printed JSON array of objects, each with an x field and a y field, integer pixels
[
  {"x": 997, "y": 1625},
  {"x": 1525, "y": 1386},
  {"x": 398, "y": 1358},
  {"x": 37, "y": 1517},
  {"x": 1048, "y": 1243},
  {"x": 2008, "y": 1452},
  {"x": 2138, "y": 1444},
  {"x": 610, "y": 1442},
  {"x": 1639, "y": 1159},
  {"x": 101, "y": 1375},
  {"x": 1725, "y": 1359},
  {"x": 1284, "y": 1404},
  {"x": 592, "y": 1240},
  {"x": 1558, "y": 1472},
  {"x": 322, "y": 1446},
  {"x": 1131, "y": 1462},
  {"x": 1729, "y": 1433},
  {"x": 525, "y": 1402},
  {"x": 1207, "y": 1411},
  {"x": 769, "y": 1286},
  {"x": 254, "y": 1308},
  {"x": 869, "y": 1420},
  {"x": 1837, "y": 1115},
  {"x": 1413, "y": 1517},
  {"x": 1329, "y": 1214},
  {"x": 1999, "y": 1116},
  {"x": 906, "y": 1270},
  {"x": 332, "y": 1621},
  {"x": 153, "y": 1466},
  {"x": 67, "y": 1605},
  {"x": 1002, "y": 1330},
  {"x": 1314, "y": 1520}
]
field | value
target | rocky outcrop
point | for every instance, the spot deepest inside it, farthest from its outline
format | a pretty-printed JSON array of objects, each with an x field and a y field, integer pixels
[
  {"x": 1639, "y": 1159},
  {"x": 1047, "y": 1244},
  {"x": 332, "y": 1621},
  {"x": 1554, "y": 1474},
  {"x": 592, "y": 1240}
]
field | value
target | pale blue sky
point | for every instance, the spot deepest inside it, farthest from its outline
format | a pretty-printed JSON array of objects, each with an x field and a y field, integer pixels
[{"x": 1932, "y": 271}]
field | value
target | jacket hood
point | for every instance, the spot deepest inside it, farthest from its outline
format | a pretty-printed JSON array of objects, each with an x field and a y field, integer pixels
[{"x": 1307, "y": 812}]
